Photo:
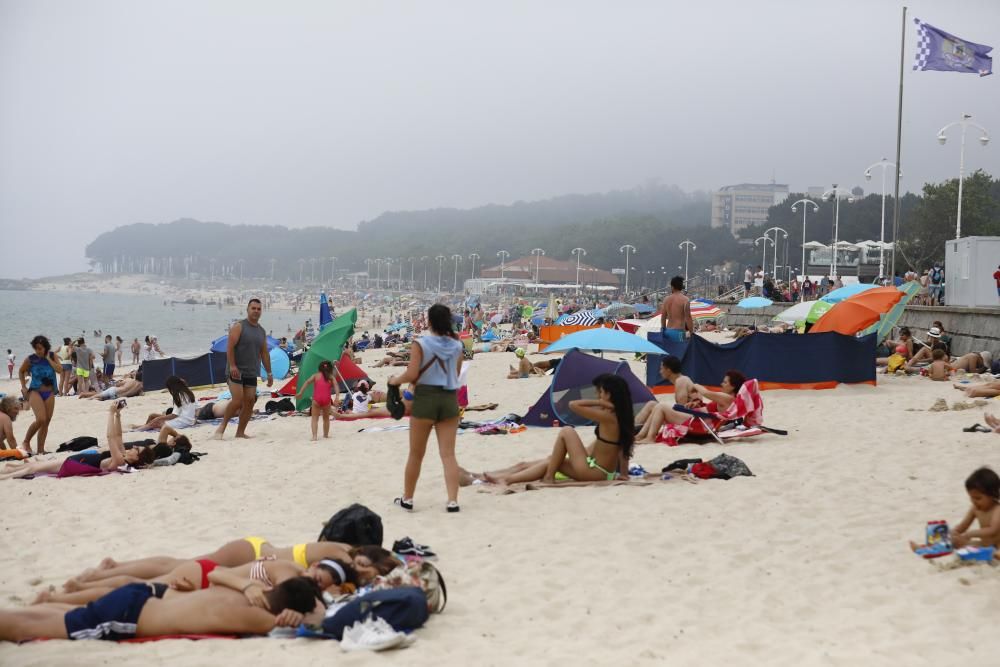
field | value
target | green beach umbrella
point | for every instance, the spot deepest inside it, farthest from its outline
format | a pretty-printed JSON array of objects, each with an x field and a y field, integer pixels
[{"x": 327, "y": 346}]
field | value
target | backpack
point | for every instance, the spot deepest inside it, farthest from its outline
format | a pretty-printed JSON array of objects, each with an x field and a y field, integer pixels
[
  {"x": 936, "y": 276},
  {"x": 355, "y": 525},
  {"x": 405, "y": 609},
  {"x": 284, "y": 405}
]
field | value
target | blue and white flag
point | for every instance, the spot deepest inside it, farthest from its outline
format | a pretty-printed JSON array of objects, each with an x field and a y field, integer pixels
[{"x": 939, "y": 50}]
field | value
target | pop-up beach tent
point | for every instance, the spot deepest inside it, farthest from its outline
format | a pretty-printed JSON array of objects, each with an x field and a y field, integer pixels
[
  {"x": 572, "y": 380},
  {"x": 209, "y": 368}
]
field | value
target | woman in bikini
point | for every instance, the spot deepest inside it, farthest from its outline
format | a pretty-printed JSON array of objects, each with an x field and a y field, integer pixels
[
  {"x": 44, "y": 369},
  {"x": 232, "y": 554},
  {"x": 730, "y": 385},
  {"x": 190, "y": 575},
  {"x": 607, "y": 456}
]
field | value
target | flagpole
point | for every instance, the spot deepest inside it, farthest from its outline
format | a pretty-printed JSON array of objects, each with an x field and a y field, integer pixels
[{"x": 899, "y": 138}]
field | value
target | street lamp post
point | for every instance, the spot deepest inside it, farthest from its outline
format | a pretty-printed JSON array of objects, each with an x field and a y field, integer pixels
[
  {"x": 423, "y": 260},
  {"x": 579, "y": 252},
  {"x": 626, "y": 250},
  {"x": 503, "y": 255},
  {"x": 805, "y": 209},
  {"x": 333, "y": 267},
  {"x": 688, "y": 246},
  {"x": 984, "y": 139},
  {"x": 378, "y": 272},
  {"x": 474, "y": 256},
  {"x": 242, "y": 262},
  {"x": 454, "y": 287},
  {"x": 302, "y": 263},
  {"x": 440, "y": 260},
  {"x": 537, "y": 252},
  {"x": 312, "y": 269},
  {"x": 884, "y": 164},
  {"x": 774, "y": 267},
  {"x": 368, "y": 270},
  {"x": 412, "y": 262},
  {"x": 763, "y": 257},
  {"x": 836, "y": 192},
  {"x": 272, "y": 261},
  {"x": 399, "y": 276}
]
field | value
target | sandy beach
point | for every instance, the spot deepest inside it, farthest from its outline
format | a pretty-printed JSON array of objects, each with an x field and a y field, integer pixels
[{"x": 805, "y": 563}]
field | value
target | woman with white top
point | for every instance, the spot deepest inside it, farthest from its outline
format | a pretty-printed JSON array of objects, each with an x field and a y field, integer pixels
[
  {"x": 184, "y": 410},
  {"x": 435, "y": 364}
]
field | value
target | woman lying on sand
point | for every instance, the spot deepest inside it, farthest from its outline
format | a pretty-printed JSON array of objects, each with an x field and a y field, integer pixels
[
  {"x": 604, "y": 459},
  {"x": 232, "y": 554},
  {"x": 111, "y": 459},
  {"x": 197, "y": 574}
]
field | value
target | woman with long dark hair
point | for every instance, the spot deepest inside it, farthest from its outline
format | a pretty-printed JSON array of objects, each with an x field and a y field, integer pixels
[
  {"x": 184, "y": 410},
  {"x": 605, "y": 458},
  {"x": 44, "y": 369},
  {"x": 435, "y": 363}
]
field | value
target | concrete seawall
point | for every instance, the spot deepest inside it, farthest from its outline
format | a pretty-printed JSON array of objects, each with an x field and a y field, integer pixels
[{"x": 971, "y": 329}]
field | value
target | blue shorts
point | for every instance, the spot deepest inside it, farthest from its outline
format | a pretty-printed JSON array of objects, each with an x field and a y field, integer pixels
[
  {"x": 675, "y": 335},
  {"x": 113, "y": 616},
  {"x": 109, "y": 369}
]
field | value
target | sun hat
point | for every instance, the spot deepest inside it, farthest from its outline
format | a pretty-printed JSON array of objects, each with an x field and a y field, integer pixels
[{"x": 934, "y": 332}]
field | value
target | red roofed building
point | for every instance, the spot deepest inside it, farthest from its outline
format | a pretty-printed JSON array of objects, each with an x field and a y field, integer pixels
[{"x": 551, "y": 271}]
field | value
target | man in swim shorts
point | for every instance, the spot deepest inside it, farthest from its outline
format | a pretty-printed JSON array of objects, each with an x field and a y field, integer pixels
[
  {"x": 84, "y": 364},
  {"x": 245, "y": 351},
  {"x": 675, "y": 313},
  {"x": 152, "y": 610}
]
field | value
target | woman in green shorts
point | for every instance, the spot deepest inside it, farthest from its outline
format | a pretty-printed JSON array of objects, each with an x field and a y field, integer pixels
[{"x": 435, "y": 362}]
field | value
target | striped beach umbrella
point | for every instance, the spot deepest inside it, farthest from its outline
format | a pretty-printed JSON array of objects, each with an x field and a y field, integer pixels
[
  {"x": 581, "y": 318},
  {"x": 703, "y": 310}
]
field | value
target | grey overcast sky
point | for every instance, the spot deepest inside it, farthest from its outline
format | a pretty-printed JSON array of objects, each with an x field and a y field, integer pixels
[{"x": 327, "y": 113}]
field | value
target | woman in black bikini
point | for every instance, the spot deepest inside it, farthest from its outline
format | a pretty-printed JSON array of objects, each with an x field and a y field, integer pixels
[{"x": 605, "y": 459}]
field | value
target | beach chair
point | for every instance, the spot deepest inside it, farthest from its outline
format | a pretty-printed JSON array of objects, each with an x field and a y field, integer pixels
[{"x": 742, "y": 419}]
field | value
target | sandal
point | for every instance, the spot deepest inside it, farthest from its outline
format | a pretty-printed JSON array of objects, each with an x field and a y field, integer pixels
[
  {"x": 405, "y": 503},
  {"x": 452, "y": 507},
  {"x": 977, "y": 428}
]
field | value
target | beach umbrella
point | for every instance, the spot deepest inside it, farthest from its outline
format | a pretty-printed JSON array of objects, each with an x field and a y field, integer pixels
[
  {"x": 797, "y": 312},
  {"x": 538, "y": 320},
  {"x": 884, "y": 327},
  {"x": 754, "y": 302},
  {"x": 817, "y": 311},
  {"x": 619, "y": 310},
  {"x": 703, "y": 310},
  {"x": 324, "y": 312},
  {"x": 496, "y": 319},
  {"x": 846, "y": 317},
  {"x": 329, "y": 345},
  {"x": 816, "y": 245},
  {"x": 581, "y": 318},
  {"x": 881, "y": 299},
  {"x": 604, "y": 340},
  {"x": 643, "y": 308},
  {"x": 841, "y": 293}
]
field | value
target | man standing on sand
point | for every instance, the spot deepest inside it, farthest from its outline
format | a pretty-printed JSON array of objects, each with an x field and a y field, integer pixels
[
  {"x": 136, "y": 349},
  {"x": 245, "y": 350},
  {"x": 675, "y": 313},
  {"x": 84, "y": 364},
  {"x": 108, "y": 356},
  {"x": 747, "y": 281}
]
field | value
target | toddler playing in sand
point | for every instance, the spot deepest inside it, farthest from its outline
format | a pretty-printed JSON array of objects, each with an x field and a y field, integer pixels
[
  {"x": 983, "y": 487},
  {"x": 940, "y": 369}
]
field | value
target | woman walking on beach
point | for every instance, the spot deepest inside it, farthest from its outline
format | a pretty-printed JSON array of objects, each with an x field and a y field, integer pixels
[
  {"x": 44, "y": 369},
  {"x": 118, "y": 349},
  {"x": 65, "y": 354},
  {"x": 435, "y": 364}
]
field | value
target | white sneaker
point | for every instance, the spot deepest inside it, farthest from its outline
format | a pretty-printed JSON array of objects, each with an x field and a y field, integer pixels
[{"x": 373, "y": 634}]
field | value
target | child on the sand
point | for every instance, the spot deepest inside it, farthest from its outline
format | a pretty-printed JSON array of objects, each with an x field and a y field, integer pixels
[
  {"x": 939, "y": 369},
  {"x": 322, "y": 398},
  {"x": 983, "y": 487}
]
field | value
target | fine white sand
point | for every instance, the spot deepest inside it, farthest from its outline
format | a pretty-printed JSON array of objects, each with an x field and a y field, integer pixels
[{"x": 806, "y": 563}]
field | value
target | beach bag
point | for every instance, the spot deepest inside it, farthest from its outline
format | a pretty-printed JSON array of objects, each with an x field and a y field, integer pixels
[
  {"x": 355, "y": 525},
  {"x": 435, "y": 590},
  {"x": 78, "y": 444},
  {"x": 284, "y": 405},
  {"x": 405, "y": 609}
]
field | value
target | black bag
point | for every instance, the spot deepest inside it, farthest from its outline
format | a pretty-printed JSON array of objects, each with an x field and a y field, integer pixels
[
  {"x": 355, "y": 525},
  {"x": 284, "y": 405},
  {"x": 78, "y": 444}
]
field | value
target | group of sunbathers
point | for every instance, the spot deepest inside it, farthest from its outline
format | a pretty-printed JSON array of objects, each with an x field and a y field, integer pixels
[{"x": 246, "y": 586}]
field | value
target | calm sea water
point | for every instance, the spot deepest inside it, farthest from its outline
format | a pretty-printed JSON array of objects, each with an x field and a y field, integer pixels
[{"x": 183, "y": 330}]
